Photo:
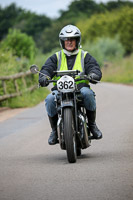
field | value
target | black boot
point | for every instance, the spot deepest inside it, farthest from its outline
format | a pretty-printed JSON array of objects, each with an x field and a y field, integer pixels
[
  {"x": 91, "y": 115},
  {"x": 53, "y": 138}
]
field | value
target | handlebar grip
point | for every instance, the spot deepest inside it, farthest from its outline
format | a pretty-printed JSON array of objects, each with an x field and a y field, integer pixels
[
  {"x": 52, "y": 81},
  {"x": 86, "y": 78}
]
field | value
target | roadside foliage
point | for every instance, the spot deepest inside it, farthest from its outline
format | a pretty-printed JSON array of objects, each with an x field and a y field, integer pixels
[{"x": 109, "y": 24}]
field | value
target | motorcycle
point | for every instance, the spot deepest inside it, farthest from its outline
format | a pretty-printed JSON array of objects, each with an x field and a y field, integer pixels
[{"x": 72, "y": 126}]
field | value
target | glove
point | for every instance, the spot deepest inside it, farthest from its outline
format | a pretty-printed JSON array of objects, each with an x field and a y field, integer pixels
[
  {"x": 43, "y": 81},
  {"x": 93, "y": 78}
]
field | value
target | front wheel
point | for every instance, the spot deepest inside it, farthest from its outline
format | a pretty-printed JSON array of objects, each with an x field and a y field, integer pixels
[{"x": 69, "y": 135}]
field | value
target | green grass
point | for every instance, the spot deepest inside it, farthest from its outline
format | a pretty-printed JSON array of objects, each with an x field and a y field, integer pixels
[
  {"x": 27, "y": 99},
  {"x": 120, "y": 71}
]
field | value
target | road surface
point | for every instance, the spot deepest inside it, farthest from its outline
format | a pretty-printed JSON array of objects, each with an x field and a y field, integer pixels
[{"x": 30, "y": 169}]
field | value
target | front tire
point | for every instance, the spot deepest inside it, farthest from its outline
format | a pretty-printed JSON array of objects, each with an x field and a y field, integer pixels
[{"x": 69, "y": 135}]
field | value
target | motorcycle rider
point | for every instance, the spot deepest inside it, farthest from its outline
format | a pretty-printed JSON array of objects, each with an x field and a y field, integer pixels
[{"x": 71, "y": 57}]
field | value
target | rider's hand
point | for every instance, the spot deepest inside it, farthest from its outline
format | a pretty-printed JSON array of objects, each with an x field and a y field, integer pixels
[
  {"x": 43, "y": 81},
  {"x": 93, "y": 78}
]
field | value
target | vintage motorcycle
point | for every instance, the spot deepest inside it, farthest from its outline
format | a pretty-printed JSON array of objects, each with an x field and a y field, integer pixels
[{"x": 72, "y": 125}]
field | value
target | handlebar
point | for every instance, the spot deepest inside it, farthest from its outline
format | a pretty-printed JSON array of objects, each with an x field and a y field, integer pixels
[
  {"x": 74, "y": 73},
  {"x": 84, "y": 77}
]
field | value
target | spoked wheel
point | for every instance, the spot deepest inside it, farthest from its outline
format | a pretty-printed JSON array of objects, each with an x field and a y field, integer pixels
[{"x": 69, "y": 135}]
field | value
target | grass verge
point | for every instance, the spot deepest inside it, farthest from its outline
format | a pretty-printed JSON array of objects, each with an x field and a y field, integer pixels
[
  {"x": 27, "y": 99},
  {"x": 120, "y": 71}
]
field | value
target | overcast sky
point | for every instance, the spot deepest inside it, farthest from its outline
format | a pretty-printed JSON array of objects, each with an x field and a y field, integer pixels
[{"x": 47, "y": 7}]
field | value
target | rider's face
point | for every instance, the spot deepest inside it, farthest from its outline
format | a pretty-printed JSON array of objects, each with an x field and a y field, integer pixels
[{"x": 70, "y": 44}]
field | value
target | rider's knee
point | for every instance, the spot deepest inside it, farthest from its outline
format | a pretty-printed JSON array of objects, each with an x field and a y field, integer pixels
[
  {"x": 88, "y": 98},
  {"x": 87, "y": 92},
  {"x": 49, "y": 99}
]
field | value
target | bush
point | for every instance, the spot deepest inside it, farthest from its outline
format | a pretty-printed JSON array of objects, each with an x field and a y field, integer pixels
[
  {"x": 94, "y": 51},
  {"x": 105, "y": 49},
  {"x": 110, "y": 48},
  {"x": 19, "y": 43},
  {"x": 10, "y": 64}
]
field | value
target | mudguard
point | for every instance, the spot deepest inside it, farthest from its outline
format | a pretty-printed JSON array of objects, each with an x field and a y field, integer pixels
[{"x": 67, "y": 104}]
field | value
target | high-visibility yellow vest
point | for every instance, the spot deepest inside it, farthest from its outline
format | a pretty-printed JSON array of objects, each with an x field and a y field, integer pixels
[{"x": 78, "y": 65}]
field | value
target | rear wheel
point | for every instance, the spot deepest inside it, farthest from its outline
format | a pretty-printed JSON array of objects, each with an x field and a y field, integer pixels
[{"x": 69, "y": 135}]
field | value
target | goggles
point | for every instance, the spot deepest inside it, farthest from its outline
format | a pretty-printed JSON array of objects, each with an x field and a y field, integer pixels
[{"x": 68, "y": 38}]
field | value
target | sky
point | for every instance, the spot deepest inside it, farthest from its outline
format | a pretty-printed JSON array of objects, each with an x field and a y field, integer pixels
[{"x": 49, "y": 8}]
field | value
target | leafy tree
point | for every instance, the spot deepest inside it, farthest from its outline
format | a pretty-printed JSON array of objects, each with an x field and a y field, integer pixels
[
  {"x": 110, "y": 24},
  {"x": 112, "y": 5},
  {"x": 50, "y": 37},
  {"x": 80, "y": 9},
  {"x": 28, "y": 22},
  {"x": 8, "y": 17},
  {"x": 32, "y": 24},
  {"x": 125, "y": 28}
]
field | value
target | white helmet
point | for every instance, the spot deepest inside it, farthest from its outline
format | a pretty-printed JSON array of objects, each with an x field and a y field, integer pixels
[{"x": 70, "y": 31}]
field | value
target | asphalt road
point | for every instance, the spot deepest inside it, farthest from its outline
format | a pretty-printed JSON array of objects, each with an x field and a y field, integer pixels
[{"x": 30, "y": 169}]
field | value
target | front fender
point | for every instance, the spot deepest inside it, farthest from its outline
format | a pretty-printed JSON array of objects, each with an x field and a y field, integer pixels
[{"x": 67, "y": 104}]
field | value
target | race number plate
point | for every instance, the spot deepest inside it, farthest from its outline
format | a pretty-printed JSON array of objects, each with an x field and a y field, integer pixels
[{"x": 66, "y": 84}]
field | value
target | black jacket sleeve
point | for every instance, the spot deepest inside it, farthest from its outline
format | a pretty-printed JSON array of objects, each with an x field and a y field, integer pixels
[
  {"x": 91, "y": 66},
  {"x": 50, "y": 66}
]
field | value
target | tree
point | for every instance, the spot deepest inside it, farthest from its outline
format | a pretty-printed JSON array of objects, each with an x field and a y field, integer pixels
[
  {"x": 111, "y": 5},
  {"x": 80, "y": 9},
  {"x": 8, "y": 17},
  {"x": 110, "y": 24},
  {"x": 28, "y": 22},
  {"x": 49, "y": 39},
  {"x": 32, "y": 24}
]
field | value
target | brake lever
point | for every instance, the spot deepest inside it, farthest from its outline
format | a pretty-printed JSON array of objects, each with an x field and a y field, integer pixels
[{"x": 89, "y": 79}]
